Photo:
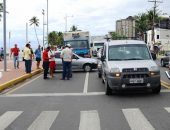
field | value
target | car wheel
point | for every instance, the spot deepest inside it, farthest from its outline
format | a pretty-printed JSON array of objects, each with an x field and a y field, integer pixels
[
  {"x": 157, "y": 90},
  {"x": 87, "y": 68},
  {"x": 99, "y": 75},
  {"x": 108, "y": 90},
  {"x": 162, "y": 63}
]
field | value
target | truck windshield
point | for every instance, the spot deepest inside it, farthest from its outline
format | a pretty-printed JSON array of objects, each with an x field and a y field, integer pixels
[
  {"x": 78, "y": 44},
  {"x": 128, "y": 52}
]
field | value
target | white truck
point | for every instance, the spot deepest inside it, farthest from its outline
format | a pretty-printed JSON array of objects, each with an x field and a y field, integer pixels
[
  {"x": 79, "y": 41},
  {"x": 96, "y": 45}
]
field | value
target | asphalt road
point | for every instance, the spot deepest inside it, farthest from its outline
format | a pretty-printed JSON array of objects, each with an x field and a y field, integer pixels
[{"x": 80, "y": 104}]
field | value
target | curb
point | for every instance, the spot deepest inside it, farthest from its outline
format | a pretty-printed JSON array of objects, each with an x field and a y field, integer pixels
[{"x": 13, "y": 82}]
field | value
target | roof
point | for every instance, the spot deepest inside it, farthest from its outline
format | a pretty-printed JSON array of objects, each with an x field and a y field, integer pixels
[{"x": 119, "y": 42}]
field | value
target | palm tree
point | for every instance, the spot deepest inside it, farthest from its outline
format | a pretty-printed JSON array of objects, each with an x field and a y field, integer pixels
[
  {"x": 35, "y": 21},
  {"x": 1, "y": 10},
  {"x": 73, "y": 28}
]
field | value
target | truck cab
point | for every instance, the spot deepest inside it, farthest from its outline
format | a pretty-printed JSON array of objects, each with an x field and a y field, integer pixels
[{"x": 128, "y": 64}]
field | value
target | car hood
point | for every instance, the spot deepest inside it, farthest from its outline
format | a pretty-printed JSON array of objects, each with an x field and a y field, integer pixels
[
  {"x": 89, "y": 60},
  {"x": 132, "y": 64}
]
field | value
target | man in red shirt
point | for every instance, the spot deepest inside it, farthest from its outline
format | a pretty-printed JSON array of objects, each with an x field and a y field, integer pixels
[
  {"x": 15, "y": 53},
  {"x": 46, "y": 62}
]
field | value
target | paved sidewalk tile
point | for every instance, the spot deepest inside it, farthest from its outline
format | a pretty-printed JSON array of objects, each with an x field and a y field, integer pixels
[{"x": 12, "y": 73}]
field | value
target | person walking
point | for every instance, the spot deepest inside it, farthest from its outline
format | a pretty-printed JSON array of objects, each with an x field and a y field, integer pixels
[
  {"x": 38, "y": 56},
  {"x": 52, "y": 63},
  {"x": 46, "y": 62},
  {"x": 27, "y": 58},
  {"x": 15, "y": 52},
  {"x": 66, "y": 55},
  {"x": 1, "y": 53}
]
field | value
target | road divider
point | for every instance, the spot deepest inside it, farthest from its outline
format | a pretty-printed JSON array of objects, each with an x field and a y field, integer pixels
[{"x": 13, "y": 82}]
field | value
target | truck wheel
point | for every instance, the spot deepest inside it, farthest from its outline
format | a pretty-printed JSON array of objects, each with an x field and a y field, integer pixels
[
  {"x": 157, "y": 90},
  {"x": 108, "y": 90},
  {"x": 87, "y": 68}
]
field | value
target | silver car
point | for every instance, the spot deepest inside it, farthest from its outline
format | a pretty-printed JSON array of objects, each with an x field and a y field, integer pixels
[{"x": 78, "y": 63}]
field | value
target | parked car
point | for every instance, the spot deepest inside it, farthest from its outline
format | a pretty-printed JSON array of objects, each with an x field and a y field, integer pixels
[
  {"x": 78, "y": 62},
  {"x": 128, "y": 64},
  {"x": 165, "y": 59}
]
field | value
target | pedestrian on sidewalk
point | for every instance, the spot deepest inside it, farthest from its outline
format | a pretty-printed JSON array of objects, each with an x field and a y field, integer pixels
[
  {"x": 46, "y": 62},
  {"x": 66, "y": 54},
  {"x": 27, "y": 58},
  {"x": 38, "y": 56},
  {"x": 15, "y": 52},
  {"x": 52, "y": 63},
  {"x": 1, "y": 53}
]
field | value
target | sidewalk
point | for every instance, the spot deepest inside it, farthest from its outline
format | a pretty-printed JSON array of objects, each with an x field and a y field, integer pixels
[{"x": 11, "y": 73}]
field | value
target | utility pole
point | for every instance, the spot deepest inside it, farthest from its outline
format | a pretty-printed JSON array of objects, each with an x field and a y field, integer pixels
[
  {"x": 153, "y": 22},
  {"x": 43, "y": 26}
]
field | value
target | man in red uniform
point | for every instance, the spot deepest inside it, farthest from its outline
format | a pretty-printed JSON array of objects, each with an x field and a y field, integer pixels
[
  {"x": 46, "y": 62},
  {"x": 15, "y": 53}
]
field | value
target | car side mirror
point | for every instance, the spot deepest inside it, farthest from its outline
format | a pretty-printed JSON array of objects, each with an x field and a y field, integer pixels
[
  {"x": 166, "y": 54},
  {"x": 103, "y": 58}
]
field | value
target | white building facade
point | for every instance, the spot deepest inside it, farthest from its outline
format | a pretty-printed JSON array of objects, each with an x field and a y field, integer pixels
[{"x": 162, "y": 36}]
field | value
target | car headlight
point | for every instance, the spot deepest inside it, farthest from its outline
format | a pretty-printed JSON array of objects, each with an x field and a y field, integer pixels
[
  {"x": 115, "y": 72},
  {"x": 154, "y": 70}
]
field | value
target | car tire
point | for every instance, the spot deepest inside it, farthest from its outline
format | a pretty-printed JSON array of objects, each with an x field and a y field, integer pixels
[
  {"x": 108, "y": 90},
  {"x": 87, "y": 68},
  {"x": 156, "y": 90},
  {"x": 162, "y": 63}
]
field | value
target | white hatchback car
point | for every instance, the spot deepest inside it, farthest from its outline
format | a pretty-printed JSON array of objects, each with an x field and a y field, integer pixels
[{"x": 78, "y": 62}]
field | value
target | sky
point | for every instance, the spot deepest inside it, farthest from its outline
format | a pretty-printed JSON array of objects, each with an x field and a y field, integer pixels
[{"x": 96, "y": 16}]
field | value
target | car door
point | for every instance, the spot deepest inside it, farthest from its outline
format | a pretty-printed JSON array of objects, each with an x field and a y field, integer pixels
[
  {"x": 76, "y": 63},
  {"x": 58, "y": 60}
]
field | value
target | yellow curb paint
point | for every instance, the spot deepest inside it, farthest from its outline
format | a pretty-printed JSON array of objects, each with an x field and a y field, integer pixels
[
  {"x": 164, "y": 84},
  {"x": 13, "y": 82}
]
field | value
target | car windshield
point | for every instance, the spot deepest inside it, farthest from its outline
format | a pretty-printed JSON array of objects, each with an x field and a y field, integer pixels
[
  {"x": 128, "y": 52},
  {"x": 99, "y": 44}
]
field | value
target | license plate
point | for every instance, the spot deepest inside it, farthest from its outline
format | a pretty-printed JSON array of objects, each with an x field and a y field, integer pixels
[{"x": 134, "y": 81}]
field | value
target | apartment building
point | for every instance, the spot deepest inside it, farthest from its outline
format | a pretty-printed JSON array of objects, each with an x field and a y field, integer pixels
[{"x": 126, "y": 28}]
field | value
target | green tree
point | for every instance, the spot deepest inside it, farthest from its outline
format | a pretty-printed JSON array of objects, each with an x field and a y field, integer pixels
[
  {"x": 73, "y": 28},
  {"x": 55, "y": 38},
  {"x": 116, "y": 36},
  {"x": 35, "y": 21}
]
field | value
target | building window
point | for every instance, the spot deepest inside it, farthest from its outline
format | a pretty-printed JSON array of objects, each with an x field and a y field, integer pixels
[{"x": 157, "y": 36}]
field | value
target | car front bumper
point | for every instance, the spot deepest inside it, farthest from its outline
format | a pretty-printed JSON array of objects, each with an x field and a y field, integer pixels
[{"x": 118, "y": 83}]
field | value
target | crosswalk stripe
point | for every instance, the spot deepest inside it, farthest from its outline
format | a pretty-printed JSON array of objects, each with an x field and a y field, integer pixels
[
  {"x": 7, "y": 118},
  {"x": 89, "y": 120},
  {"x": 168, "y": 109},
  {"x": 44, "y": 120},
  {"x": 136, "y": 120}
]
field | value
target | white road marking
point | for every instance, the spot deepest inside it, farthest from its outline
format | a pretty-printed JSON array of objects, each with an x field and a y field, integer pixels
[
  {"x": 136, "y": 120},
  {"x": 0, "y": 75},
  {"x": 22, "y": 85},
  {"x": 7, "y": 118},
  {"x": 63, "y": 94},
  {"x": 86, "y": 83},
  {"x": 168, "y": 109},
  {"x": 53, "y": 94},
  {"x": 89, "y": 120},
  {"x": 44, "y": 120}
]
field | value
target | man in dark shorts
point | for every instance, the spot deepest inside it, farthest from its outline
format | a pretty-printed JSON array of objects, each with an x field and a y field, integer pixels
[{"x": 38, "y": 56}]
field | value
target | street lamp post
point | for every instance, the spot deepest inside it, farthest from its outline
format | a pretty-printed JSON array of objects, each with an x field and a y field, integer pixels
[
  {"x": 4, "y": 31},
  {"x": 47, "y": 22},
  {"x": 43, "y": 26},
  {"x": 66, "y": 21}
]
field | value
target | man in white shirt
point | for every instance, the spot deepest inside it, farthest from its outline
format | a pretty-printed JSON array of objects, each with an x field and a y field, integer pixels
[{"x": 66, "y": 55}]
